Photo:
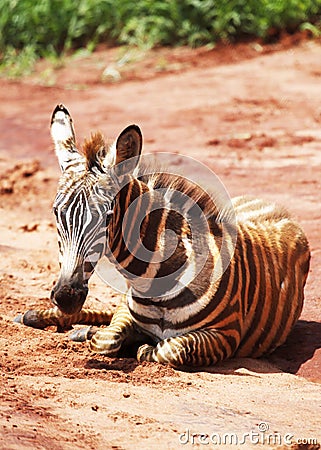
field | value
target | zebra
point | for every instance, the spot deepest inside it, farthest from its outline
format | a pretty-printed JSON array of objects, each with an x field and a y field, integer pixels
[{"x": 207, "y": 310}]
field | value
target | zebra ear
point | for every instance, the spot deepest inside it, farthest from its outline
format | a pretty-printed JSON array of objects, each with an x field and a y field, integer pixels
[
  {"x": 129, "y": 145},
  {"x": 63, "y": 135}
]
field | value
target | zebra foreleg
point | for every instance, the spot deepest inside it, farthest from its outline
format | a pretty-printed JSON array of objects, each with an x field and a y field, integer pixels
[
  {"x": 44, "y": 318},
  {"x": 109, "y": 340},
  {"x": 197, "y": 348}
]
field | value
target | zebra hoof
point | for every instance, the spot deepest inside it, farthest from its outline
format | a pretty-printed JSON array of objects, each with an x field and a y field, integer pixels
[
  {"x": 18, "y": 319},
  {"x": 106, "y": 342},
  {"x": 31, "y": 319},
  {"x": 83, "y": 334}
]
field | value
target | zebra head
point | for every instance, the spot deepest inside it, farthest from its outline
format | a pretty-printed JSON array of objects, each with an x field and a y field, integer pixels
[{"x": 84, "y": 202}]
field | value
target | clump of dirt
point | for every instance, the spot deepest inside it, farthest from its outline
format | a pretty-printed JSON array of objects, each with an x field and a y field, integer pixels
[{"x": 16, "y": 179}]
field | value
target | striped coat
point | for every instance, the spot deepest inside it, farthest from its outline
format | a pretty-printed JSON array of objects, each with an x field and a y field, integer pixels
[{"x": 206, "y": 281}]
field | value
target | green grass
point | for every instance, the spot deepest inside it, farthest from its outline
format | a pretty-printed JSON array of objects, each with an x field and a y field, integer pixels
[{"x": 40, "y": 28}]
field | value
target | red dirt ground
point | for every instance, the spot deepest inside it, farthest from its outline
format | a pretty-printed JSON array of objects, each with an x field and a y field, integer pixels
[{"x": 250, "y": 113}]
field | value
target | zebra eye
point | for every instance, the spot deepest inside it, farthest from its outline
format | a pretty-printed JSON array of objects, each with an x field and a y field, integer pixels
[{"x": 55, "y": 210}]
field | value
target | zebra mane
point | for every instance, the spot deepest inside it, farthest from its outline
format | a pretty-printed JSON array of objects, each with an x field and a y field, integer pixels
[
  {"x": 213, "y": 204},
  {"x": 210, "y": 203},
  {"x": 94, "y": 150}
]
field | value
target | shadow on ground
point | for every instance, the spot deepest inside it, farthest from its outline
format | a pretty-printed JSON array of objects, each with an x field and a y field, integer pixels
[{"x": 300, "y": 346}]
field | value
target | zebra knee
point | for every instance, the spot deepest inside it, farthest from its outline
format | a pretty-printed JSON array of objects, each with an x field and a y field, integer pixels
[
  {"x": 106, "y": 342},
  {"x": 174, "y": 356}
]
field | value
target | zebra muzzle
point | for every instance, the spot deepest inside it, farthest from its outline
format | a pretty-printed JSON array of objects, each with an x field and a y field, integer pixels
[{"x": 69, "y": 299}]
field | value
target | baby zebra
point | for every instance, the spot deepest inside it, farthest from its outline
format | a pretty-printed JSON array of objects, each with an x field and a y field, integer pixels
[{"x": 205, "y": 281}]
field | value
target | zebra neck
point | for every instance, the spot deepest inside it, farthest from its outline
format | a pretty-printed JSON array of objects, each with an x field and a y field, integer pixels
[{"x": 151, "y": 243}]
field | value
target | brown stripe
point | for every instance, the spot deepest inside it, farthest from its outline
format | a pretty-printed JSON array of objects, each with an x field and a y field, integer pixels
[
  {"x": 257, "y": 308},
  {"x": 253, "y": 275},
  {"x": 267, "y": 323}
]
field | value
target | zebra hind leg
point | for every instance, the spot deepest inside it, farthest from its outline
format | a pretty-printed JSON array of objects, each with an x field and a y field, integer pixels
[
  {"x": 42, "y": 319},
  {"x": 194, "y": 349}
]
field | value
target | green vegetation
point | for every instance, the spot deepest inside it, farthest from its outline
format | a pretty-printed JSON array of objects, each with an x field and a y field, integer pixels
[{"x": 42, "y": 28}]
